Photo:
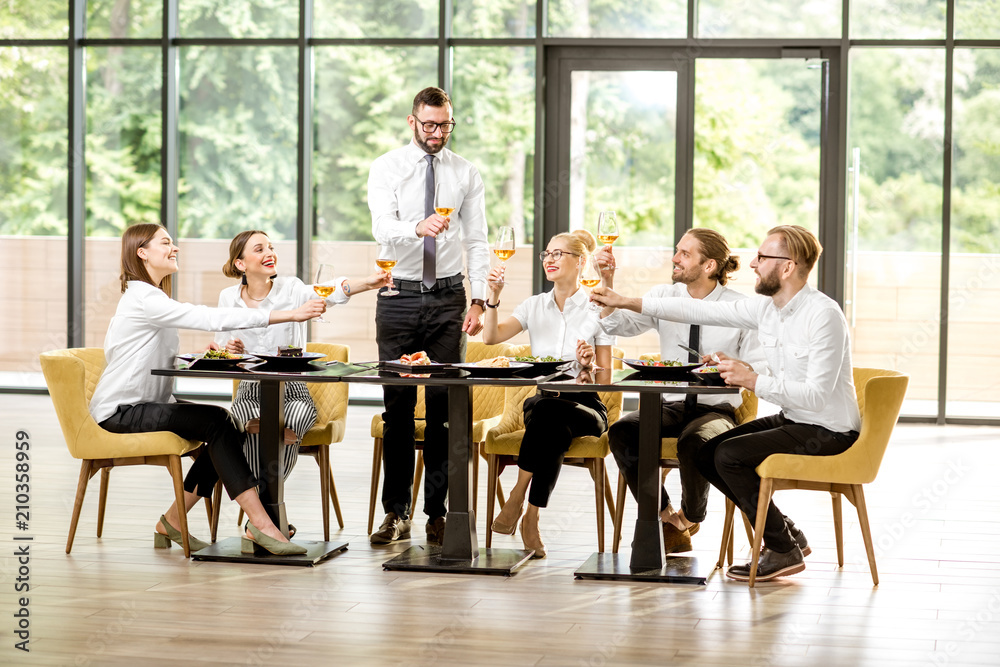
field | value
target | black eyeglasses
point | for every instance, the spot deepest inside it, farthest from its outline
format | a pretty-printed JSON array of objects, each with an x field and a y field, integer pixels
[
  {"x": 429, "y": 128},
  {"x": 761, "y": 257},
  {"x": 556, "y": 255}
]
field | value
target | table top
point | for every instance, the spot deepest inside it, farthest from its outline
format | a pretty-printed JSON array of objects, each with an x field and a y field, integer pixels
[{"x": 630, "y": 380}]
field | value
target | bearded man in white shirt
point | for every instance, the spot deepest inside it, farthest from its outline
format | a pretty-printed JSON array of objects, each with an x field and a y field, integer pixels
[
  {"x": 805, "y": 340},
  {"x": 430, "y": 313}
]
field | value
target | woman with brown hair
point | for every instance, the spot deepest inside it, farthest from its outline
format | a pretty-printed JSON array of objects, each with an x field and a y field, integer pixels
[
  {"x": 142, "y": 336},
  {"x": 253, "y": 261}
]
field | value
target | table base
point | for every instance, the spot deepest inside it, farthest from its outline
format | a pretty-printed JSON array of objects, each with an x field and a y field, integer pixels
[
  {"x": 615, "y": 567},
  {"x": 490, "y": 561},
  {"x": 228, "y": 551}
]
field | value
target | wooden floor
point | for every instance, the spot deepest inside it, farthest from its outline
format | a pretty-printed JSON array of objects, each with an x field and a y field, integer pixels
[{"x": 117, "y": 601}]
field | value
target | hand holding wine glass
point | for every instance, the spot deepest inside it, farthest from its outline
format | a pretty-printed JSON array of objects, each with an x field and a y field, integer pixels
[
  {"x": 607, "y": 229},
  {"x": 591, "y": 277},
  {"x": 385, "y": 260},
  {"x": 503, "y": 247},
  {"x": 324, "y": 276}
]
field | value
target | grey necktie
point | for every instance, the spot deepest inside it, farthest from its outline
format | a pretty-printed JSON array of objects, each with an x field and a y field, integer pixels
[
  {"x": 430, "y": 244},
  {"x": 694, "y": 342}
]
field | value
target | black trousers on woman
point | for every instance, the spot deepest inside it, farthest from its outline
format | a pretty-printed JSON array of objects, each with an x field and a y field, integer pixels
[
  {"x": 550, "y": 424},
  {"x": 729, "y": 461},
  {"x": 209, "y": 423}
]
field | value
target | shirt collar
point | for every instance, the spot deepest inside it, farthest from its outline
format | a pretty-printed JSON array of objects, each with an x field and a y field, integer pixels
[
  {"x": 416, "y": 154},
  {"x": 579, "y": 298},
  {"x": 796, "y": 301}
]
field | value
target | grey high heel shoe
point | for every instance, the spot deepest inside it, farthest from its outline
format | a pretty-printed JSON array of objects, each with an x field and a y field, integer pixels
[
  {"x": 268, "y": 543},
  {"x": 161, "y": 541}
]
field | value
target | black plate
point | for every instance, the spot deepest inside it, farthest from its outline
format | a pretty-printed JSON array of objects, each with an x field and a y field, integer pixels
[
  {"x": 493, "y": 371},
  {"x": 273, "y": 361},
  {"x": 712, "y": 378},
  {"x": 543, "y": 367},
  {"x": 204, "y": 362},
  {"x": 426, "y": 369},
  {"x": 682, "y": 372}
]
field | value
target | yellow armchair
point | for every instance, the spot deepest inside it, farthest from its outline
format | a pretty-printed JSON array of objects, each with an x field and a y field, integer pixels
[{"x": 71, "y": 376}]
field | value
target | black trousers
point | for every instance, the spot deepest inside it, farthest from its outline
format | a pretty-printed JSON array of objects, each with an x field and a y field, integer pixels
[
  {"x": 405, "y": 323},
  {"x": 550, "y": 424},
  {"x": 729, "y": 462},
  {"x": 692, "y": 431},
  {"x": 209, "y": 423}
]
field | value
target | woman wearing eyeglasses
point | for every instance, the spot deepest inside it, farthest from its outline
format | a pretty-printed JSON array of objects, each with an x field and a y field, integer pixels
[{"x": 559, "y": 324}]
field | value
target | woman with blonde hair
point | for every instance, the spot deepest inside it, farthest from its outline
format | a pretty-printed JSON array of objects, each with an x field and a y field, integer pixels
[
  {"x": 559, "y": 324},
  {"x": 129, "y": 399}
]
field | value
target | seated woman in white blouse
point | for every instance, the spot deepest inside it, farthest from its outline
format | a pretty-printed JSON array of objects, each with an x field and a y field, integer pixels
[
  {"x": 129, "y": 399},
  {"x": 253, "y": 261},
  {"x": 559, "y": 324}
]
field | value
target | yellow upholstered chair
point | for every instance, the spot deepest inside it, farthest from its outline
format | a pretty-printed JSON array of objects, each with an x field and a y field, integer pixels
[
  {"x": 880, "y": 397},
  {"x": 71, "y": 376},
  {"x": 487, "y": 405},
  {"x": 503, "y": 443},
  {"x": 330, "y": 399}
]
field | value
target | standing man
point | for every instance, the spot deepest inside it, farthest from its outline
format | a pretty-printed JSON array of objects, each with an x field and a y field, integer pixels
[
  {"x": 701, "y": 268},
  {"x": 805, "y": 340},
  {"x": 431, "y": 312}
]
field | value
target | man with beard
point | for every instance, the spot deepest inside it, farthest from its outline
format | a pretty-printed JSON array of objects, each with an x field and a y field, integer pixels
[
  {"x": 805, "y": 340},
  {"x": 430, "y": 313},
  {"x": 701, "y": 268}
]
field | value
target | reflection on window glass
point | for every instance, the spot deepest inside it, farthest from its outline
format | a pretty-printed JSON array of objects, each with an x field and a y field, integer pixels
[
  {"x": 975, "y": 238},
  {"x": 897, "y": 121},
  {"x": 363, "y": 96},
  {"x": 897, "y": 19},
  {"x": 376, "y": 18},
  {"x": 116, "y": 19},
  {"x": 623, "y": 152},
  {"x": 596, "y": 18},
  {"x": 238, "y": 18},
  {"x": 494, "y": 98},
  {"x": 238, "y": 135},
  {"x": 32, "y": 210},
  {"x": 977, "y": 19},
  {"x": 757, "y": 125},
  {"x": 34, "y": 19},
  {"x": 769, "y": 18},
  {"x": 123, "y": 138},
  {"x": 493, "y": 18}
]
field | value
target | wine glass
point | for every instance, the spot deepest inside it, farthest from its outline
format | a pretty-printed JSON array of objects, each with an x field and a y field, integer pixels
[
  {"x": 385, "y": 260},
  {"x": 444, "y": 200},
  {"x": 503, "y": 246},
  {"x": 324, "y": 275},
  {"x": 591, "y": 278},
  {"x": 607, "y": 229}
]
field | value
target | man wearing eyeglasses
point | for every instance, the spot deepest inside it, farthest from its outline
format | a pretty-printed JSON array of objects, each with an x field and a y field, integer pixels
[
  {"x": 702, "y": 265},
  {"x": 805, "y": 340},
  {"x": 430, "y": 313}
]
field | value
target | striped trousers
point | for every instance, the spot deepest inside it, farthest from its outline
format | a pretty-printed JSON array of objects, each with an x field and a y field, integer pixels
[{"x": 300, "y": 415}]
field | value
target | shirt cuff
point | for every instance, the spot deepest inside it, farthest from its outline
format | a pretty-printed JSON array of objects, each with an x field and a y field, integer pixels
[{"x": 763, "y": 386}]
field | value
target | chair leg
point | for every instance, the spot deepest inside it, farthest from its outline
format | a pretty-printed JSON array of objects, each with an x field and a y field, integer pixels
[
  {"x": 492, "y": 481},
  {"x": 747, "y": 526},
  {"x": 376, "y": 472},
  {"x": 239, "y": 519},
  {"x": 86, "y": 472},
  {"x": 323, "y": 459},
  {"x": 838, "y": 526},
  {"x": 174, "y": 465},
  {"x": 336, "y": 501},
  {"x": 216, "y": 509},
  {"x": 616, "y": 537},
  {"x": 597, "y": 470},
  {"x": 476, "y": 448},
  {"x": 866, "y": 530},
  {"x": 608, "y": 496},
  {"x": 763, "y": 501},
  {"x": 727, "y": 535},
  {"x": 210, "y": 508},
  {"x": 418, "y": 474},
  {"x": 102, "y": 503}
]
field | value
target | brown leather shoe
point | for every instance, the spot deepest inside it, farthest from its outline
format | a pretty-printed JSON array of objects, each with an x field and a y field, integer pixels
[
  {"x": 675, "y": 541},
  {"x": 393, "y": 528},
  {"x": 435, "y": 531}
]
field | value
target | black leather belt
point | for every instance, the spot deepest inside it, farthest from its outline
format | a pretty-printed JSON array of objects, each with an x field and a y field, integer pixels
[{"x": 418, "y": 286}]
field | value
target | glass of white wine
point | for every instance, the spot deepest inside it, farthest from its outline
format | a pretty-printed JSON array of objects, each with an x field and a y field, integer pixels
[
  {"x": 590, "y": 278},
  {"x": 385, "y": 260},
  {"x": 503, "y": 246},
  {"x": 444, "y": 200},
  {"x": 324, "y": 275},
  {"x": 607, "y": 228}
]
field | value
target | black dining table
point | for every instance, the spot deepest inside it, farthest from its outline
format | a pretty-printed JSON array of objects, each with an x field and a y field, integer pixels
[{"x": 647, "y": 561}]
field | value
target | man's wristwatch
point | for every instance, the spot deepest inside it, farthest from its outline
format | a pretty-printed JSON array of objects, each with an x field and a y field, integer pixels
[{"x": 480, "y": 303}]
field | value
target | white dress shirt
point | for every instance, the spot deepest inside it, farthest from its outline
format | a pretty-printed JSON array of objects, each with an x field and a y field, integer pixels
[
  {"x": 553, "y": 332},
  {"x": 806, "y": 345},
  {"x": 143, "y": 336},
  {"x": 287, "y": 293},
  {"x": 396, "y": 200},
  {"x": 737, "y": 343}
]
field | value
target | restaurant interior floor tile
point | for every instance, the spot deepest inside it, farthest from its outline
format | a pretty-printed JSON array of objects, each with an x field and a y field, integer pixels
[{"x": 935, "y": 517}]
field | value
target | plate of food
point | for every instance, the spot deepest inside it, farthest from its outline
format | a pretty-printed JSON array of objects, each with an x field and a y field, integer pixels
[
  {"x": 662, "y": 370},
  {"x": 289, "y": 356},
  {"x": 541, "y": 365},
  {"x": 709, "y": 375},
  {"x": 416, "y": 363},
  {"x": 495, "y": 367},
  {"x": 214, "y": 358}
]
